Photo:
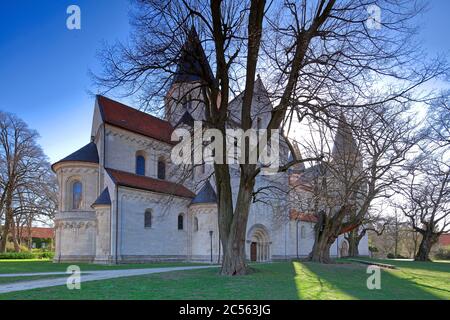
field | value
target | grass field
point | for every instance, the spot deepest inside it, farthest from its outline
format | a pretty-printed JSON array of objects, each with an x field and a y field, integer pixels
[{"x": 287, "y": 280}]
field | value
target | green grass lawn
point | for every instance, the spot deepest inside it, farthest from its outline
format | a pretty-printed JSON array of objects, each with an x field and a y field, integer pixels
[
  {"x": 33, "y": 266},
  {"x": 287, "y": 280}
]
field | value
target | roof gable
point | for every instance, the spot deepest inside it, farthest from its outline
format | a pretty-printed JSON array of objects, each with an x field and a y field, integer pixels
[
  {"x": 186, "y": 119},
  {"x": 193, "y": 64},
  {"x": 130, "y": 119},
  {"x": 205, "y": 195},
  {"x": 103, "y": 199}
]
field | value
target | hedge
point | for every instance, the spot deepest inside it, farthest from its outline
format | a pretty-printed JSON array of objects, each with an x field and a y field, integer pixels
[{"x": 26, "y": 255}]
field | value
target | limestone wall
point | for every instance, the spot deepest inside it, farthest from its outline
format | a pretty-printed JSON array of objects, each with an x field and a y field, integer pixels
[{"x": 162, "y": 240}]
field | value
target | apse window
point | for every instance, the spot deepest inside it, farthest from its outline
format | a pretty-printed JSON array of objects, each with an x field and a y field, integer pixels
[{"x": 77, "y": 195}]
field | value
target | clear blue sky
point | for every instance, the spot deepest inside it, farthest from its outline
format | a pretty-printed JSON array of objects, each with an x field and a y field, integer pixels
[{"x": 44, "y": 66}]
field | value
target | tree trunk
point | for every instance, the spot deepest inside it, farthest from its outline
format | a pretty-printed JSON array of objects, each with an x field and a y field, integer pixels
[
  {"x": 353, "y": 250},
  {"x": 322, "y": 244},
  {"x": 8, "y": 222},
  {"x": 353, "y": 242},
  {"x": 5, "y": 233},
  {"x": 234, "y": 259},
  {"x": 321, "y": 249},
  {"x": 428, "y": 240},
  {"x": 14, "y": 233}
]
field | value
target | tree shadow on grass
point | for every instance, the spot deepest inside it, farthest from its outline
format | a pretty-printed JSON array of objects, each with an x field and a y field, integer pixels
[
  {"x": 428, "y": 266},
  {"x": 349, "y": 281}
]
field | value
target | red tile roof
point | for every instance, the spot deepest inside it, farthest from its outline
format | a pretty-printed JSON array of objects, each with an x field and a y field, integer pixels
[
  {"x": 125, "y": 117},
  {"x": 301, "y": 216},
  {"x": 126, "y": 179},
  {"x": 444, "y": 239},
  {"x": 37, "y": 232},
  {"x": 308, "y": 217},
  {"x": 349, "y": 228}
]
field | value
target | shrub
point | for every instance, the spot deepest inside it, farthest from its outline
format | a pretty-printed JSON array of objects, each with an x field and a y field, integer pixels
[
  {"x": 10, "y": 247},
  {"x": 373, "y": 249},
  {"x": 27, "y": 255},
  {"x": 44, "y": 255},
  {"x": 393, "y": 256},
  {"x": 443, "y": 253},
  {"x": 17, "y": 255}
]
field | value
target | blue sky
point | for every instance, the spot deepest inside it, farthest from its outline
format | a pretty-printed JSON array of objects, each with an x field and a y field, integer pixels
[{"x": 44, "y": 66}]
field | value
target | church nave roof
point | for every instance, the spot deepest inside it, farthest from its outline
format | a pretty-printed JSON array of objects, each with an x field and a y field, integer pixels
[
  {"x": 131, "y": 119},
  {"x": 126, "y": 179}
]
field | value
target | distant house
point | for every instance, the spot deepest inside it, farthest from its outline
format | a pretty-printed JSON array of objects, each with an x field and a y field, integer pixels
[
  {"x": 444, "y": 240},
  {"x": 41, "y": 238}
]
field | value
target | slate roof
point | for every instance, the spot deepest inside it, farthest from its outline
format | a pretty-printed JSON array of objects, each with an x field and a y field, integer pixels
[
  {"x": 103, "y": 199},
  {"x": 344, "y": 142},
  {"x": 205, "y": 195},
  {"x": 131, "y": 119},
  {"x": 186, "y": 119},
  {"x": 193, "y": 64},
  {"x": 312, "y": 173},
  {"x": 134, "y": 181},
  {"x": 88, "y": 153}
]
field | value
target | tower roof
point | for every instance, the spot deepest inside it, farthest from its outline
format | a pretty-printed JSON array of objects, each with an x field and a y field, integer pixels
[
  {"x": 103, "y": 199},
  {"x": 205, "y": 195},
  {"x": 88, "y": 153},
  {"x": 186, "y": 119},
  {"x": 344, "y": 142},
  {"x": 193, "y": 64},
  {"x": 300, "y": 167}
]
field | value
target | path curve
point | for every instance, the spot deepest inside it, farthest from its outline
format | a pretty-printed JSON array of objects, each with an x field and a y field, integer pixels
[{"x": 85, "y": 277}]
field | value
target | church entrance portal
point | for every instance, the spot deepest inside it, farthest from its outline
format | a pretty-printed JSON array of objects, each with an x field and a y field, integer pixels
[{"x": 258, "y": 237}]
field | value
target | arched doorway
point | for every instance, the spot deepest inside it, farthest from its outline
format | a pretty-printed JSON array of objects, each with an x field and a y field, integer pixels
[
  {"x": 344, "y": 249},
  {"x": 258, "y": 237}
]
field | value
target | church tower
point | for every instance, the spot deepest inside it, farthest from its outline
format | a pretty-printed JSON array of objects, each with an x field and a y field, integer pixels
[
  {"x": 184, "y": 100},
  {"x": 345, "y": 149}
]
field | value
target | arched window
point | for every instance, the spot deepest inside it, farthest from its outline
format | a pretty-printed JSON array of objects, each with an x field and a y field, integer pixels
[
  {"x": 148, "y": 218},
  {"x": 140, "y": 165},
  {"x": 161, "y": 168},
  {"x": 180, "y": 222},
  {"x": 302, "y": 232},
  {"x": 77, "y": 195},
  {"x": 195, "y": 224}
]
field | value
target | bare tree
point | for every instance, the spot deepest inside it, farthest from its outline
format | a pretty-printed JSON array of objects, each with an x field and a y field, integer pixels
[
  {"x": 374, "y": 222},
  {"x": 361, "y": 166},
  {"x": 439, "y": 120},
  {"x": 24, "y": 176},
  {"x": 318, "y": 56},
  {"x": 427, "y": 201}
]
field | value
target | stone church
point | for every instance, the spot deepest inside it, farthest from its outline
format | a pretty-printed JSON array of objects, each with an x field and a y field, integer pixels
[{"x": 121, "y": 199}]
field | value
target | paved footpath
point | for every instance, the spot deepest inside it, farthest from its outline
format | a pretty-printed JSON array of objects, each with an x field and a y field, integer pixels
[{"x": 85, "y": 277}]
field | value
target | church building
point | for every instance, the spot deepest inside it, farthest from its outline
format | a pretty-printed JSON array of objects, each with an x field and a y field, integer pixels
[{"x": 121, "y": 199}]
